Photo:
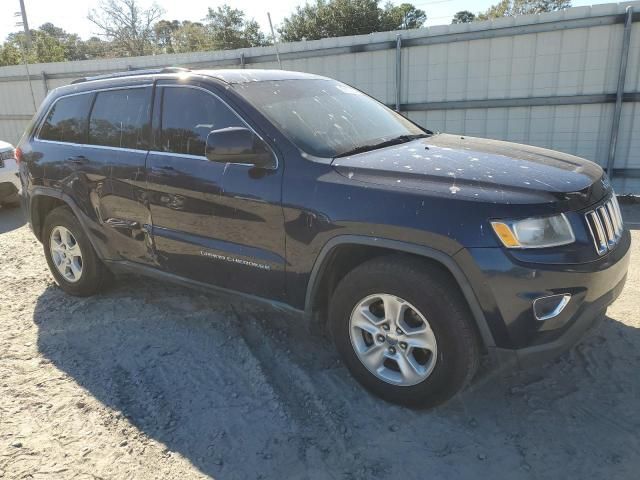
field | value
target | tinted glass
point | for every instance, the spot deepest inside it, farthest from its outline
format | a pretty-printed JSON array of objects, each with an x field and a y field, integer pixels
[
  {"x": 120, "y": 118},
  {"x": 188, "y": 115},
  {"x": 67, "y": 120},
  {"x": 324, "y": 117}
]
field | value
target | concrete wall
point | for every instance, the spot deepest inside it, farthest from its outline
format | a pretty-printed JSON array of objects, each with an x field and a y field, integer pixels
[{"x": 547, "y": 80}]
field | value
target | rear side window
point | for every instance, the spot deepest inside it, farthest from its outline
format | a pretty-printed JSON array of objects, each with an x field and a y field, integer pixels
[
  {"x": 188, "y": 115},
  {"x": 67, "y": 120},
  {"x": 120, "y": 118}
]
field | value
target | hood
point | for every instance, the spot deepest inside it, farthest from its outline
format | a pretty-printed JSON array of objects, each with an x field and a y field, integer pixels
[
  {"x": 5, "y": 146},
  {"x": 480, "y": 169}
]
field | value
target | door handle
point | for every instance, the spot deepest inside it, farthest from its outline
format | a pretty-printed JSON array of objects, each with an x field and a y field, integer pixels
[
  {"x": 78, "y": 160},
  {"x": 121, "y": 223}
]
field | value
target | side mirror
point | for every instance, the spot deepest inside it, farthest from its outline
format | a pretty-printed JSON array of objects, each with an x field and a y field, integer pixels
[{"x": 238, "y": 145}]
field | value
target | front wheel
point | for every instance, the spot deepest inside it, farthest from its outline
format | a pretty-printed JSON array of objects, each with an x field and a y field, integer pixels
[{"x": 403, "y": 330}]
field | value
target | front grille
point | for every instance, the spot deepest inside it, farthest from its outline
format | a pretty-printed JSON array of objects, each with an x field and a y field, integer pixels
[{"x": 605, "y": 225}]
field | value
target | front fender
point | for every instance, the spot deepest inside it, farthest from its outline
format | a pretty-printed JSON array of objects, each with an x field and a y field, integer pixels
[{"x": 442, "y": 258}]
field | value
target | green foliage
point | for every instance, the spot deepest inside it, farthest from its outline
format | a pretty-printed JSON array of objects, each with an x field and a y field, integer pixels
[
  {"x": 402, "y": 17},
  {"x": 126, "y": 28},
  {"x": 181, "y": 37},
  {"x": 335, "y": 18},
  {"x": 511, "y": 8},
  {"x": 463, "y": 16},
  {"x": 51, "y": 44},
  {"x": 229, "y": 29}
]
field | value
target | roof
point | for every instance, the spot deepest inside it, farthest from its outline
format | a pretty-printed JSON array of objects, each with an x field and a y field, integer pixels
[
  {"x": 227, "y": 75},
  {"x": 256, "y": 75}
]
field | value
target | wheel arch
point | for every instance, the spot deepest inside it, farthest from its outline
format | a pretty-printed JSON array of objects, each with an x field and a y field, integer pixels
[
  {"x": 40, "y": 206},
  {"x": 321, "y": 273},
  {"x": 43, "y": 200}
]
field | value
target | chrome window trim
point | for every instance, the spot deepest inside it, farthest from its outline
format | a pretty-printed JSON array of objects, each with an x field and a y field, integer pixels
[
  {"x": 75, "y": 94},
  {"x": 37, "y": 138},
  {"x": 102, "y": 147},
  {"x": 234, "y": 111}
]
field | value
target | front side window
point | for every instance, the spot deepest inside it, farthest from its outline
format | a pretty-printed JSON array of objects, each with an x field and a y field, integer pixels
[
  {"x": 188, "y": 115},
  {"x": 120, "y": 118},
  {"x": 67, "y": 120},
  {"x": 325, "y": 118}
]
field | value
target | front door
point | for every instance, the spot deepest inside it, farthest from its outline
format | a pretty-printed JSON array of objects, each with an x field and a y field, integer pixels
[{"x": 216, "y": 223}]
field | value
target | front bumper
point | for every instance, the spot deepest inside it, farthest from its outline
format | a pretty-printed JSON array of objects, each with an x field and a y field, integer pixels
[
  {"x": 591, "y": 316},
  {"x": 506, "y": 289}
]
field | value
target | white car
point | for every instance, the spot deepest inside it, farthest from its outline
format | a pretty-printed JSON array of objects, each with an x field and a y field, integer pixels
[{"x": 9, "y": 181}]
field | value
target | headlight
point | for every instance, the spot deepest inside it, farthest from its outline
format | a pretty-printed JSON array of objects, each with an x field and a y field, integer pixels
[{"x": 537, "y": 232}]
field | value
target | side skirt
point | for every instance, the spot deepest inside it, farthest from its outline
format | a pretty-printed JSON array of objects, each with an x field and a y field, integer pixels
[{"x": 132, "y": 268}]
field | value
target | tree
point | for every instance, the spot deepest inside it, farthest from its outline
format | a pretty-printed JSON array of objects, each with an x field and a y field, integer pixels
[
  {"x": 164, "y": 32},
  {"x": 463, "y": 16},
  {"x": 127, "y": 25},
  {"x": 511, "y": 8},
  {"x": 334, "y": 18},
  {"x": 402, "y": 17},
  {"x": 229, "y": 29},
  {"x": 192, "y": 37},
  {"x": 48, "y": 44},
  {"x": 96, "y": 48},
  {"x": 10, "y": 54}
]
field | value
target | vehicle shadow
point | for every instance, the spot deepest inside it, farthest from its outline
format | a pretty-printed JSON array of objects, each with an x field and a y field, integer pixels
[
  {"x": 11, "y": 218},
  {"x": 243, "y": 391}
]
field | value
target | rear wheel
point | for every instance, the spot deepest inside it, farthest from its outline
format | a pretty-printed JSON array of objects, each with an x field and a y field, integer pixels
[
  {"x": 404, "y": 332},
  {"x": 70, "y": 255}
]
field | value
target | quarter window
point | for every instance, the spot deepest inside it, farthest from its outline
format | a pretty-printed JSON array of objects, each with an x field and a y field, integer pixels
[
  {"x": 120, "y": 118},
  {"x": 188, "y": 115},
  {"x": 67, "y": 120}
]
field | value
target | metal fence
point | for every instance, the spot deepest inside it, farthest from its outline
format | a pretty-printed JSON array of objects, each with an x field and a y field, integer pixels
[{"x": 566, "y": 80}]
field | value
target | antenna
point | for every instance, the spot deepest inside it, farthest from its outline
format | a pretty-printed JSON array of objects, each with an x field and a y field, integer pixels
[{"x": 275, "y": 42}]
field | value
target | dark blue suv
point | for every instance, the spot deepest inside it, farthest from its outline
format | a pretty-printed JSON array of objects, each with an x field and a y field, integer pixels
[{"x": 424, "y": 251}]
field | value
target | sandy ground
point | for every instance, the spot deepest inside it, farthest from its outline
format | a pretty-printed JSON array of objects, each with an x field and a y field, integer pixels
[{"x": 155, "y": 381}]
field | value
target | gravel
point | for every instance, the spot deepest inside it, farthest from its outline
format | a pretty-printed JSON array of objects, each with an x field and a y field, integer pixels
[{"x": 156, "y": 381}]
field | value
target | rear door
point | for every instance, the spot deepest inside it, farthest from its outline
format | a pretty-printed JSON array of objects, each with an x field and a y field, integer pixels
[
  {"x": 118, "y": 141},
  {"x": 212, "y": 222}
]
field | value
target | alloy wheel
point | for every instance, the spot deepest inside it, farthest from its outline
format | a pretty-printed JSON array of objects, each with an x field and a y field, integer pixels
[
  {"x": 66, "y": 254},
  {"x": 392, "y": 339}
]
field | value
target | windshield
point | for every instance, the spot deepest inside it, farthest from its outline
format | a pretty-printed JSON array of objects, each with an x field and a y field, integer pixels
[{"x": 325, "y": 118}]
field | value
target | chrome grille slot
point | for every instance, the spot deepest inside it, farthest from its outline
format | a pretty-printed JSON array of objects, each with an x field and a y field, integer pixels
[
  {"x": 608, "y": 226},
  {"x": 605, "y": 225}
]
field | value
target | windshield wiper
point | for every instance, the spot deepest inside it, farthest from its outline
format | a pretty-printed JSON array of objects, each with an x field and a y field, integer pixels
[{"x": 387, "y": 143}]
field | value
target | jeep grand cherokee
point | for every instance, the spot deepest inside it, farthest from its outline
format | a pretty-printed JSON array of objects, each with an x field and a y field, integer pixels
[{"x": 424, "y": 251}]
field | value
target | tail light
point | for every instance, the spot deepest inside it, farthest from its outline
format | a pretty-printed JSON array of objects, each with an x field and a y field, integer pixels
[{"x": 17, "y": 154}]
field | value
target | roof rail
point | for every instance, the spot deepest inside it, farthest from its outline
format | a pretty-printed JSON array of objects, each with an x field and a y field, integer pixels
[{"x": 130, "y": 73}]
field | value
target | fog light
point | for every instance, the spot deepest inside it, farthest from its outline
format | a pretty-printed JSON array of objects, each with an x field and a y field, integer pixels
[{"x": 545, "y": 308}]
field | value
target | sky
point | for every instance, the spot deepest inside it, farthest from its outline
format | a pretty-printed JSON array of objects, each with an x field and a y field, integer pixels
[{"x": 71, "y": 15}]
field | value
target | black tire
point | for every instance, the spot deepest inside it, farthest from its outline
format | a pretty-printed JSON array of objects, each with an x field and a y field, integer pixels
[
  {"x": 95, "y": 275},
  {"x": 437, "y": 297}
]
